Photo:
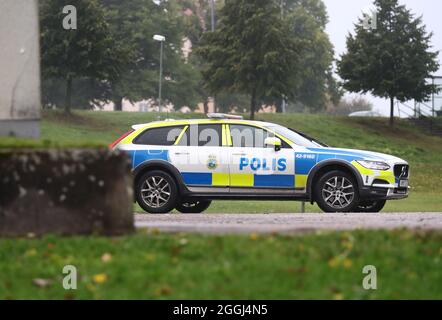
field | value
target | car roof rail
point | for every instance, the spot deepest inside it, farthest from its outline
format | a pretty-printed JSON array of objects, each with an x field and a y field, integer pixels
[{"x": 212, "y": 115}]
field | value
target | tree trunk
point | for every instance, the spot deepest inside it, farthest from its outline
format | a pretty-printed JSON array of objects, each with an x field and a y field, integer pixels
[
  {"x": 118, "y": 104},
  {"x": 278, "y": 105},
  {"x": 206, "y": 105},
  {"x": 391, "y": 111},
  {"x": 253, "y": 104},
  {"x": 68, "y": 97}
]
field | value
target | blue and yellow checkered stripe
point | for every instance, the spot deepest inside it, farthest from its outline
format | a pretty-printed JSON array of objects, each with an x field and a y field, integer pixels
[{"x": 238, "y": 180}]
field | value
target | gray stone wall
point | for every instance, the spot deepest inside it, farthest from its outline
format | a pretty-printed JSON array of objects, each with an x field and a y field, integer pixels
[{"x": 65, "y": 192}]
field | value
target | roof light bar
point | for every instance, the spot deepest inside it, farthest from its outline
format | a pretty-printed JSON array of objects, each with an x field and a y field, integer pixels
[{"x": 223, "y": 116}]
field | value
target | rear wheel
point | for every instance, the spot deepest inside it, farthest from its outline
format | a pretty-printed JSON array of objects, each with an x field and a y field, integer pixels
[
  {"x": 371, "y": 206},
  {"x": 156, "y": 192},
  {"x": 197, "y": 206},
  {"x": 336, "y": 191}
]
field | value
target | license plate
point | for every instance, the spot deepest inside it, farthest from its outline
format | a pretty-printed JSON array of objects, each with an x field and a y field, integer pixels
[{"x": 403, "y": 183}]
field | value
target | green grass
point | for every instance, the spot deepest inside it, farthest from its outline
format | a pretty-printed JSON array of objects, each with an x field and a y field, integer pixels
[
  {"x": 183, "y": 266},
  {"x": 424, "y": 152}
]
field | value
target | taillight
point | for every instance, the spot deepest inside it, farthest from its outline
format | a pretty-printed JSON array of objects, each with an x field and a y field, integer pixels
[{"x": 113, "y": 144}]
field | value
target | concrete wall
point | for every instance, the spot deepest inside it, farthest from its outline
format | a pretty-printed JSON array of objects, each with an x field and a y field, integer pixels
[
  {"x": 65, "y": 192},
  {"x": 19, "y": 68}
]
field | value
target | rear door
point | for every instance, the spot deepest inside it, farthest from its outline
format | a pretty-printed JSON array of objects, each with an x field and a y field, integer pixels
[{"x": 201, "y": 158}]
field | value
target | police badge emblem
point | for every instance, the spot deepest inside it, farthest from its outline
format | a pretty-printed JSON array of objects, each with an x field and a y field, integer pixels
[{"x": 212, "y": 163}]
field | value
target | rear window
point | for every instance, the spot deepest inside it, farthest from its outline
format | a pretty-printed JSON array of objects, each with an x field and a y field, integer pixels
[{"x": 164, "y": 136}]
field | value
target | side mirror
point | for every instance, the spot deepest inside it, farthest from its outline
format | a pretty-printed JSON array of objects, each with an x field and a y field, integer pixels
[{"x": 273, "y": 142}]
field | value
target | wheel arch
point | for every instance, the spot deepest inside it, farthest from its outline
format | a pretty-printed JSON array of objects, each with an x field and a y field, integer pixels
[
  {"x": 329, "y": 165},
  {"x": 163, "y": 166}
]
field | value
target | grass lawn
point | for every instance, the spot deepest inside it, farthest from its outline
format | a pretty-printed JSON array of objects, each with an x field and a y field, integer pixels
[{"x": 151, "y": 265}]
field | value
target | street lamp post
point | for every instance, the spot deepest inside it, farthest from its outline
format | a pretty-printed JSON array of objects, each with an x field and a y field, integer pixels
[
  {"x": 212, "y": 29},
  {"x": 161, "y": 39}
]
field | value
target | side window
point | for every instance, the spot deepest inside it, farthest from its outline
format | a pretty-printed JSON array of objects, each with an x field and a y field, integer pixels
[
  {"x": 202, "y": 135},
  {"x": 164, "y": 136},
  {"x": 248, "y": 136}
]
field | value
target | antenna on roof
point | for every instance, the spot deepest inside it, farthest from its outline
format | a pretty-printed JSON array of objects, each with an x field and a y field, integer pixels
[{"x": 223, "y": 116}]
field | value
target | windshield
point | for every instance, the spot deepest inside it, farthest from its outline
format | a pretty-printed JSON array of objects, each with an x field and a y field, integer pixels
[{"x": 296, "y": 137}]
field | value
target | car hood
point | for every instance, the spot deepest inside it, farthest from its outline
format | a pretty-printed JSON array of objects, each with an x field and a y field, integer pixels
[{"x": 358, "y": 154}]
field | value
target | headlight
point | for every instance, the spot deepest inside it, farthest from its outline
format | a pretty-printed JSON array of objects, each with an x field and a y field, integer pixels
[{"x": 374, "y": 165}]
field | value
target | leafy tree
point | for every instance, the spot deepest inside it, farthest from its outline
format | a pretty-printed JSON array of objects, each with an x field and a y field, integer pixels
[
  {"x": 307, "y": 20},
  {"x": 392, "y": 60},
  {"x": 134, "y": 23},
  {"x": 251, "y": 52},
  {"x": 228, "y": 102},
  {"x": 89, "y": 51},
  {"x": 334, "y": 90},
  {"x": 88, "y": 92}
]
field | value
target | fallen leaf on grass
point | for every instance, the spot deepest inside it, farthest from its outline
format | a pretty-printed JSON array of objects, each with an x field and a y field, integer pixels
[
  {"x": 31, "y": 253},
  {"x": 42, "y": 283},
  {"x": 163, "y": 291},
  {"x": 107, "y": 257},
  {"x": 347, "y": 263},
  {"x": 338, "y": 296},
  {"x": 100, "y": 278}
]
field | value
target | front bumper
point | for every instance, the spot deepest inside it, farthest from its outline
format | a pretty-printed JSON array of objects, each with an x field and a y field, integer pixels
[{"x": 383, "y": 193}]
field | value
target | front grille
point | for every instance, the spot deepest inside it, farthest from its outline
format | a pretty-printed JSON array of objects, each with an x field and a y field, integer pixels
[{"x": 401, "y": 171}]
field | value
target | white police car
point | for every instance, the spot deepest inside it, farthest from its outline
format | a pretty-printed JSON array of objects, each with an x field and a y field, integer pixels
[{"x": 185, "y": 164}]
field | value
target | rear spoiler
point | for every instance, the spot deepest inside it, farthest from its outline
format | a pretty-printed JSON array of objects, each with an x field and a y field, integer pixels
[{"x": 139, "y": 126}]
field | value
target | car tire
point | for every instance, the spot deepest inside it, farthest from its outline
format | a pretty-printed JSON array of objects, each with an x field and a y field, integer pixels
[
  {"x": 371, "y": 206},
  {"x": 336, "y": 191},
  {"x": 156, "y": 192},
  {"x": 197, "y": 206}
]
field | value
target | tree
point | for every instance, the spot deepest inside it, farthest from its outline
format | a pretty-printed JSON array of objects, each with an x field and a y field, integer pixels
[
  {"x": 88, "y": 51},
  {"x": 251, "y": 52},
  {"x": 392, "y": 60},
  {"x": 134, "y": 23},
  {"x": 307, "y": 20}
]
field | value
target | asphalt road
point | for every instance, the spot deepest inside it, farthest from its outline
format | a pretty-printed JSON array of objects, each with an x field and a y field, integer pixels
[{"x": 286, "y": 223}]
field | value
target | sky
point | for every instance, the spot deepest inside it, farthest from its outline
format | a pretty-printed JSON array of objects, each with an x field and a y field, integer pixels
[{"x": 344, "y": 13}]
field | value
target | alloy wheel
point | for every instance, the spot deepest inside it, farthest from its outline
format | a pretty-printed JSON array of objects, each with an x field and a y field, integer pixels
[
  {"x": 338, "y": 192},
  {"x": 155, "y": 191}
]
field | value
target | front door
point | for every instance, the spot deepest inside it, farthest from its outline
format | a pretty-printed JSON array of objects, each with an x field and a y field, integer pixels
[{"x": 255, "y": 167}]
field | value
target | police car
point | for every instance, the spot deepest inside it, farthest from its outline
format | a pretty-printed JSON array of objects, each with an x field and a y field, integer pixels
[{"x": 185, "y": 164}]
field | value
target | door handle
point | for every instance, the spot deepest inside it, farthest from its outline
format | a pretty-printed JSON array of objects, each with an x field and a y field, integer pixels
[
  {"x": 181, "y": 153},
  {"x": 238, "y": 154}
]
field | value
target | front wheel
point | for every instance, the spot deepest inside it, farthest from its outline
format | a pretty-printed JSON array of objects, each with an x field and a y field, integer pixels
[
  {"x": 371, "y": 206},
  {"x": 336, "y": 191},
  {"x": 197, "y": 206},
  {"x": 156, "y": 192}
]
